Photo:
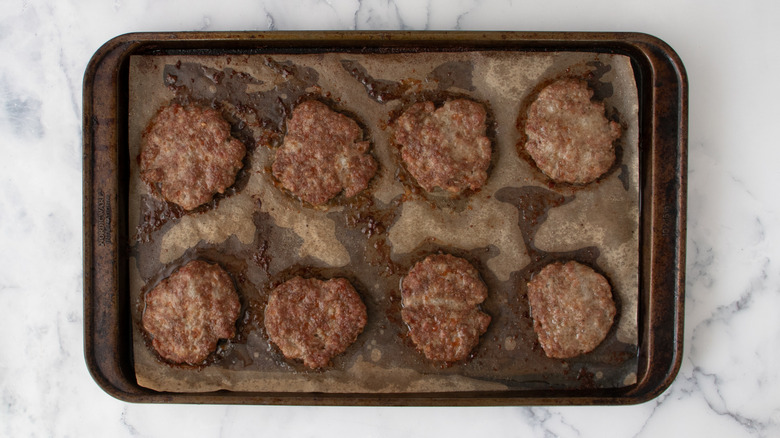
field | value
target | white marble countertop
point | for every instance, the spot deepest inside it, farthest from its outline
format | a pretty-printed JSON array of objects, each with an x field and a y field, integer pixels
[{"x": 729, "y": 383}]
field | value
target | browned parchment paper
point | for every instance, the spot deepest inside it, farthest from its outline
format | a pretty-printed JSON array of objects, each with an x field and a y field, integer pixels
[{"x": 508, "y": 229}]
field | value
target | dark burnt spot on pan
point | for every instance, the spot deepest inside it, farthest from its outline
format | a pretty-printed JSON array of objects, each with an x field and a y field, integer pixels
[
  {"x": 591, "y": 73},
  {"x": 438, "y": 198},
  {"x": 197, "y": 80},
  {"x": 363, "y": 226},
  {"x": 228, "y": 351},
  {"x": 304, "y": 76},
  {"x": 154, "y": 214},
  {"x": 272, "y": 247},
  {"x": 601, "y": 89},
  {"x": 457, "y": 74},
  {"x": 586, "y": 378},
  {"x": 261, "y": 256},
  {"x": 381, "y": 90},
  {"x": 624, "y": 176}
]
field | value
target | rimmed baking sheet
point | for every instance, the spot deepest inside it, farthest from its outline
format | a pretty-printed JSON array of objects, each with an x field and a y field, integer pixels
[{"x": 264, "y": 234}]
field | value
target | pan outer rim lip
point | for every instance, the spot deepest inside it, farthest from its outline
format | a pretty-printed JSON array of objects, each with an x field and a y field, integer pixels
[{"x": 663, "y": 89}]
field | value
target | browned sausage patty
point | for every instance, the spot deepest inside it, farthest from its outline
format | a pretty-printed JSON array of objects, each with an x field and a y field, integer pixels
[
  {"x": 323, "y": 153},
  {"x": 189, "y": 152},
  {"x": 314, "y": 320},
  {"x": 441, "y": 295},
  {"x": 188, "y": 312},
  {"x": 569, "y": 138},
  {"x": 445, "y": 147},
  {"x": 572, "y": 308}
]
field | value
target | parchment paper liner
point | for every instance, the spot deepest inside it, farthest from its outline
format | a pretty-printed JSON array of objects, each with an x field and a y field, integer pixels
[{"x": 261, "y": 234}]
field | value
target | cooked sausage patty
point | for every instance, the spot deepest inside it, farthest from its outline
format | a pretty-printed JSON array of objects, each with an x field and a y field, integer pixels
[
  {"x": 314, "y": 320},
  {"x": 190, "y": 153},
  {"x": 569, "y": 138},
  {"x": 188, "y": 312},
  {"x": 441, "y": 295},
  {"x": 445, "y": 147},
  {"x": 323, "y": 153},
  {"x": 572, "y": 308}
]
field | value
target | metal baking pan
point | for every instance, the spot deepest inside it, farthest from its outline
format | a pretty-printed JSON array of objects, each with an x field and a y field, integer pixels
[{"x": 662, "y": 156}]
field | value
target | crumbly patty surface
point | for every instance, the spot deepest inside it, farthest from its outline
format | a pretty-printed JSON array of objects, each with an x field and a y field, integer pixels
[
  {"x": 445, "y": 147},
  {"x": 322, "y": 154},
  {"x": 190, "y": 153},
  {"x": 572, "y": 308},
  {"x": 314, "y": 320},
  {"x": 569, "y": 137},
  {"x": 188, "y": 312},
  {"x": 440, "y": 296}
]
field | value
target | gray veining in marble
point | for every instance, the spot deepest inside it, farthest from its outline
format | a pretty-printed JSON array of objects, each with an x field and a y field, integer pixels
[{"x": 729, "y": 384}]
